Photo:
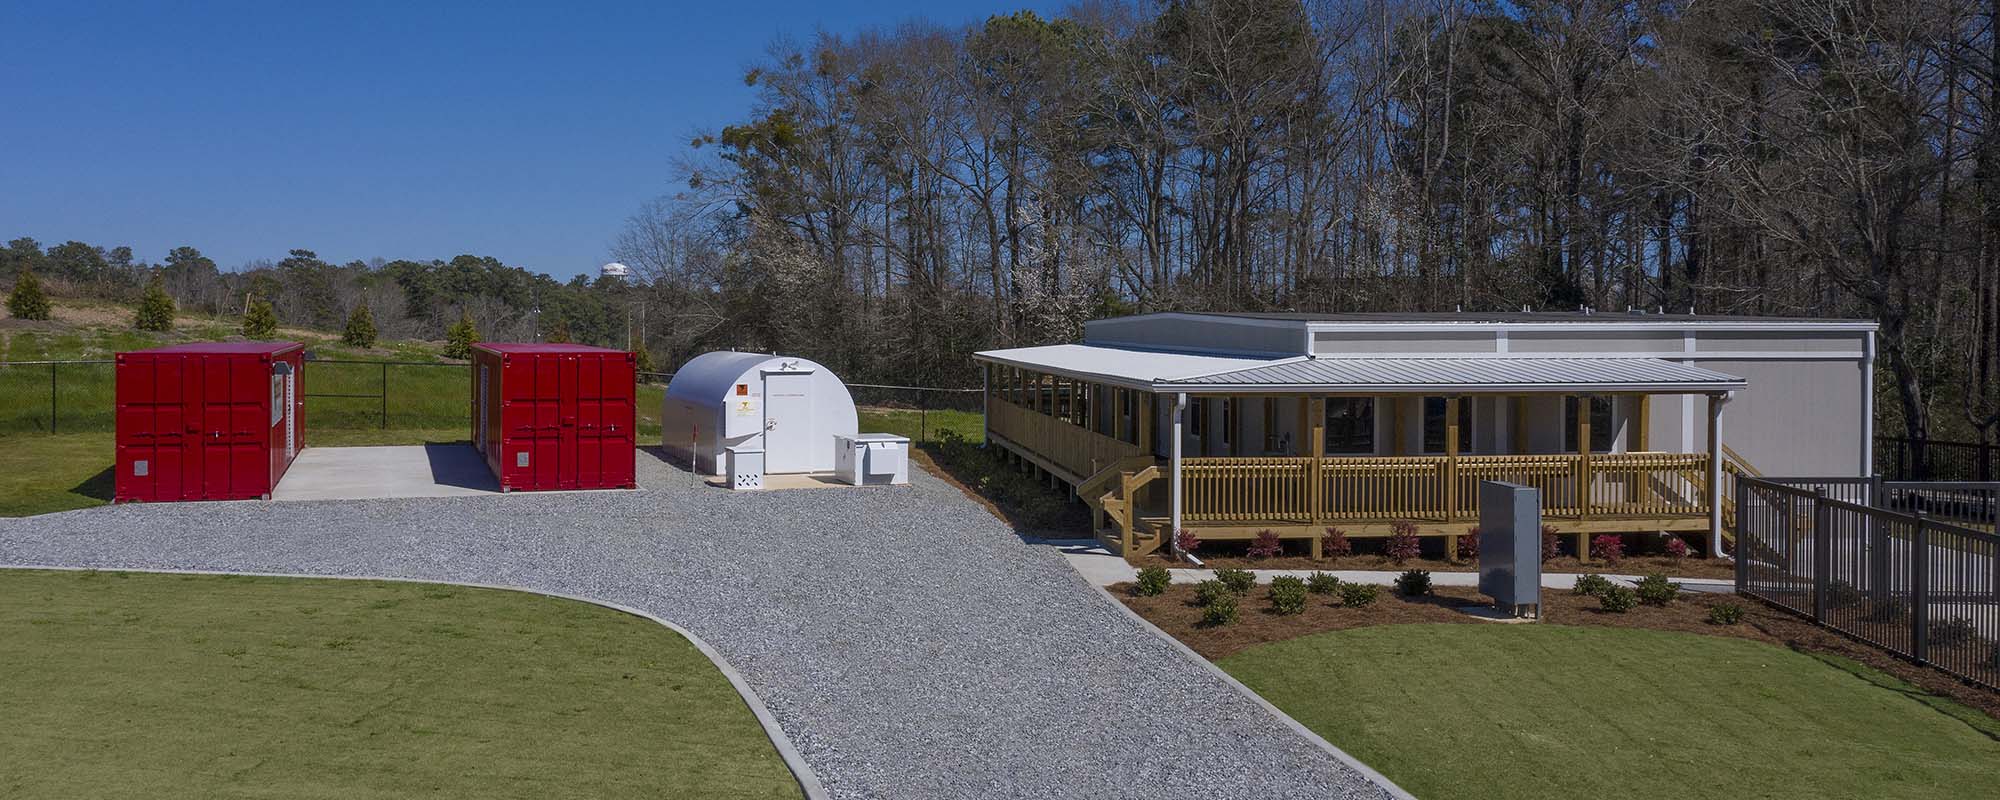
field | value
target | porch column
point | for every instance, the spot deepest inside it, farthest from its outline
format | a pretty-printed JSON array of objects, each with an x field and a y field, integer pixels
[
  {"x": 1174, "y": 463},
  {"x": 1715, "y": 402},
  {"x": 986, "y": 404},
  {"x": 1143, "y": 409},
  {"x": 1451, "y": 474},
  {"x": 1583, "y": 473}
]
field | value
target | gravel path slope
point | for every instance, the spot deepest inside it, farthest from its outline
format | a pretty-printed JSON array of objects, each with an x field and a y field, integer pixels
[{"x": 908, "y": 643}]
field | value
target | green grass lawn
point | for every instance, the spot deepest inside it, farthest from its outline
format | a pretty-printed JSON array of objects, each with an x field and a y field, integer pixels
[
  {"x": 1550, "y": 711},
  {"x": 923, "y": 426},
  {"x": 134, "y": 685}
]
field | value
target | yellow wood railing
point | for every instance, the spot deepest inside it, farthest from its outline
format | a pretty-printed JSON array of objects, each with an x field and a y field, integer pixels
[
  {"x": 1439, "y": 488},
  {"x": 1080, "y": 451}
]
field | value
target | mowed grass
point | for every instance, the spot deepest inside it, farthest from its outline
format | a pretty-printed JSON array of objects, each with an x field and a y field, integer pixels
[
  {"x": 1550, "y": 711},
  {"x": 169, "y": 686},
  {"x": 42, "y": 473},
  {"x": 923, "y": 426}
]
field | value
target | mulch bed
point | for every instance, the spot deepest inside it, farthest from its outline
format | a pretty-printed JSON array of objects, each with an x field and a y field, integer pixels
[
  {"x": 1177, "y": 613},
  {"x": 1631, "y": 565}
]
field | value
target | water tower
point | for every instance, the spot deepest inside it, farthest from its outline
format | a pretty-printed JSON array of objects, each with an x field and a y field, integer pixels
[{"x": 614, "y": 270}]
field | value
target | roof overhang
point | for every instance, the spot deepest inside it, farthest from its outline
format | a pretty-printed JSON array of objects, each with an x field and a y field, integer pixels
[{"x": 1155, "y": 371}]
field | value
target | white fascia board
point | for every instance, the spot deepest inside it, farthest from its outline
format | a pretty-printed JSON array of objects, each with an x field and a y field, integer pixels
[
  {"x": 1111, "y": 380},
  {"x": 1436, "y": 389},
  {"x": 1661, "y": 325},
  {"x": 1663, "y": 355},
  {"x": 1156, "y": 347}
]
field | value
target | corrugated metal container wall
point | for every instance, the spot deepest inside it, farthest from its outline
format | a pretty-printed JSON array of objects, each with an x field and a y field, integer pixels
[
  {"x": 208, "y": 421},
  {"x": 555, "y": 416}
]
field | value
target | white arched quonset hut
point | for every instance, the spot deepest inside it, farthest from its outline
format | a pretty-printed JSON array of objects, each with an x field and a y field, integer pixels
[{"x": 790, "y": 407}]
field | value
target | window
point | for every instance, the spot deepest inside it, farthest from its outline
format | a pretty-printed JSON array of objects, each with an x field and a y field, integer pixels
[
  {"x": 1197, "y": 422},
  {"x": 1350, "y": 425},
  {"x": 1228, "y": 421},
  {"x": 1602, "y": 430},
  {"x": 1434, "y": 424}
]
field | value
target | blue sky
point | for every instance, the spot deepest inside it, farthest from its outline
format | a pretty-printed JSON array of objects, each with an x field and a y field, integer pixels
[{"x": 363, "y": 130}]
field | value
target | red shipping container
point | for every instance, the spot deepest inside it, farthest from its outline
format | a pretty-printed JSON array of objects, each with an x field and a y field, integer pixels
[
  {"x": 555, "y": 416},
  {"x": 208, "y": 421}
]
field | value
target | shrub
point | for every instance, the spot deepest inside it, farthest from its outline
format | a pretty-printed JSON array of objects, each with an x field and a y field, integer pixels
[
  {"x": 1842, "y": 595},
  {"x": 1322, "y": 583},
  {"x": 1468, "y": 545},
  {"x": 1993, "y": 657},
  {"x": 1414, "y": 583},
  {"x": 558, "y": 332},
  {"x": 259, "y": 321},
  {"x": 1608, "y": 548},
  {"x": 1206, "y": 592},
  {"x": 1591, "y": 584},
  {"x": 1358, "y": 595},
  {"x": 1239, "y": 581},
  {"x": 1288, "y": 595},
  {"x": 1551, "y": 544},
  {"x": 1952, "y": 633},
  {"x": 1152, "y": 581},
  {"x": 1335, "y": 545},
  {"x": 1403, "y": 544},
  {"x": 156, "y": 310},
  {"x": 1677, "y": 547},
  {"x": 1656, "y": 590},
  {"x": 1221, "y": 611},
  {"x": 27, "y": 300},
  {"x": 460, "y": 337},
  {"x": 1267, "y": 545},
  {"x": 360, "y": 330},
  {"x": 1617, "y": 599},
  {"x": 1890, "y": 610},
  {"x": 1725, "y": 614},
  {"x": 642, "y": 359},
  {"x": 1186, "y": 542}
]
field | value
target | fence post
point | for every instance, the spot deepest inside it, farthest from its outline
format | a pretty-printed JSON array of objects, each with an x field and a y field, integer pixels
[
  {"x": 1920, "y": 590},
  {"x": 1985, "y": 462},
  {"x": 1878, "y": 560},
  {"x": 923, "y": 416},
  {"x": 1822, "y": 534},
  {"x": 52, "y": 398},
  {"x": 1742, "y": 535},
  {"x": 385, "y": 395}
]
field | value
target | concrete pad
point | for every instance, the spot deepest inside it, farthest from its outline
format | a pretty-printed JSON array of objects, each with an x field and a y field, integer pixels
[
  {"x": 362, "y": 473},
  {"x": 814, "y": 480}
]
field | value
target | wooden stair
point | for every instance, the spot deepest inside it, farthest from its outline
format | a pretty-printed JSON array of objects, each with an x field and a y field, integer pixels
[{"x": 1112, "y": 494}]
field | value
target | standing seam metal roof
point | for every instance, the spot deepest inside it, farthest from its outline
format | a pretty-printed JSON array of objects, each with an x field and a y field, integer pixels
[{"x": 1473, "y": 373}]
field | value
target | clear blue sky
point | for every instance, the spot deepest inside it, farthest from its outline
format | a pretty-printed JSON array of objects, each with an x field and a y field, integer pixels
[{"x": 361, "y": 130}]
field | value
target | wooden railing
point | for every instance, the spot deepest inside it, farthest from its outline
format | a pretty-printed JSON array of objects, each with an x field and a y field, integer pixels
[
  {"x": 1440, "y": 488},
  {"x": 1069, "y": 446}
]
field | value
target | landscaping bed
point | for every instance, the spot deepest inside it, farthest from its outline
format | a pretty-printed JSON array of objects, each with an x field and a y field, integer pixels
[
  {"x": 1177, "y": 612},
  {"x": 1214, "y": 557}
]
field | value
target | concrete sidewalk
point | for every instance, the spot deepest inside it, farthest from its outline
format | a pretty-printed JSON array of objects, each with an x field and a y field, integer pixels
[{"x": 1100, "y": 567}]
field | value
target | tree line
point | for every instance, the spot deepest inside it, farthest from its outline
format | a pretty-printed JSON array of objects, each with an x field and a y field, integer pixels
[{"x": 899, "y": 197}]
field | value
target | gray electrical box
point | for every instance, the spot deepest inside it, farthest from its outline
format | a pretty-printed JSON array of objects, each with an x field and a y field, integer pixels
[{"x": 1510, "y": 546}]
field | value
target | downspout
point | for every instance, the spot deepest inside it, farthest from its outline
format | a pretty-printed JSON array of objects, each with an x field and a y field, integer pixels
[
  {"x": 1174, "y": 462},
  {"x": 1868, "y": 406}
]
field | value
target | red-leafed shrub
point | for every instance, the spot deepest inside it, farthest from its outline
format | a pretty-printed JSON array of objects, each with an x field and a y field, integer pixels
[
  {"x": 1551, "y": 544},
  {"x": 1607, "y": 547},
  {"x": 1403, "y": 544},
  {"x": 1468, "y": 545},
  {"x": 1335, "y": 545},
  {"x": 1267, "y": 545},
  {"x": 1186, "y": 542},
  {"x": 1677, "y": 548}
]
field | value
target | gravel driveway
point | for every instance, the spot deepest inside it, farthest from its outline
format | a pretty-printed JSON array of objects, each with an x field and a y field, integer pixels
[{"x": 908, "y": 643}]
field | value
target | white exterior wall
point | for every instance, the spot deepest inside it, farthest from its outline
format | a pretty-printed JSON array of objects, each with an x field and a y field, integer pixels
[{"x": 701, "y": 408}]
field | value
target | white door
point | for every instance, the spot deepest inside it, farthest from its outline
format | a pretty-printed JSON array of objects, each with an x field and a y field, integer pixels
[{"x": 788, "y": 423}]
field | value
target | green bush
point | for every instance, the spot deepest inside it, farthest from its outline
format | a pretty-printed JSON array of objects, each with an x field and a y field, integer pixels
[
  {"x": 1889, "y": 610},
  {"x": 1029, "y": 502},
  {"x": 1221, "y": 611},
  {"x": 1591, "y": 584},
  {"x": 1207, "y": 592},
  {"x": 259, "y": 321},
  {"x": 1842, "y": 595},
  {"x": 1414, "y": 583},
  {"x": 460, "y": 337},
  {"x": 27, "y": 300},
  {"x": 360, "y": 330},
  {"x": 1152, "y": 581},
  {"x": 1725, "y": 614},
  {"x": 156, "y": 310},
  {"x": 1322, "y": 583},
  {"x": 1288, "y": 595},
  {"x": 1656, "y": 590},
  {"x": 1358, "y": 595},
  {"x": 1618, "y": 599},
  {"x": 1239, "y": 581},
  {"x": 1952, "y": 633}
]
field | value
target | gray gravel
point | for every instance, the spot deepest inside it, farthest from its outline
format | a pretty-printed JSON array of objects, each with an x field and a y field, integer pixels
[{"x": 907, "y": 641}]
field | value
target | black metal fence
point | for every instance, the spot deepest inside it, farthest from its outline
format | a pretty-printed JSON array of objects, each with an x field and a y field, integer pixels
[
  {"x": 1903, "y": 459},
  {"x": 1917, "y": 586}
]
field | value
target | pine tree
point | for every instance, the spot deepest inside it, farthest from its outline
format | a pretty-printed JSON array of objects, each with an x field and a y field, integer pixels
[
  {"x": 643, "y": 359},
  {"x": 360, "y": 331},
  {"x": 259, "y": 321},
  {"x": 27, "y": 300},
  {"x": 156, "y": 309},
  {"x": 460, "y": 337},
  {"x": 559, "y": 333}
]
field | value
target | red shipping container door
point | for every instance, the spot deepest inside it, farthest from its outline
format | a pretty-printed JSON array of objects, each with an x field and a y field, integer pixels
[
  {"x": 555, "y": 416},
  {"x": 209, "y": 420}
]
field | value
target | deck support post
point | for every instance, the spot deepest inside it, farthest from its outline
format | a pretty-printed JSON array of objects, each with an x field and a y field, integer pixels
[
  {"x": 1451, "y": 474},
  {"x": 1715, "y": 402},
  {"x": 1174, "y": 463},
  {"x": 1583, "y": 402}
]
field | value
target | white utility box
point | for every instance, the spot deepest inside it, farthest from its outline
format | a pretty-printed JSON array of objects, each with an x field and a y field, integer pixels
[
  {"x": 746, "y": 467},
  {"x": 872, "y": 458}
]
